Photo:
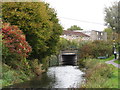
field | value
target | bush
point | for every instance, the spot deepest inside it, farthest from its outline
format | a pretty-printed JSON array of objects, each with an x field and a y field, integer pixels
[
  {"x": 86, "y": 51},
  {"x": 16, "y": 68},
  {"x": 66, "y": 44},
  {"x": 95, "y": 49},
  {"x": 36, "y": 67},
  {"x": 14, "y": 43},
  {"x": 102, "y": 48},
  {"x": 11, "y": 76}
]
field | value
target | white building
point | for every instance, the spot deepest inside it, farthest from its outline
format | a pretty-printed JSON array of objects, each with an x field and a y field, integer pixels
[
  {"x": 95, "y": 35},
  {"x": 71, "y": 35}
]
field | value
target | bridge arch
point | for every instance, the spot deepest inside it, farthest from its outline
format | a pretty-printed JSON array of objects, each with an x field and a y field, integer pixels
[{"x": 68, "y": 57}]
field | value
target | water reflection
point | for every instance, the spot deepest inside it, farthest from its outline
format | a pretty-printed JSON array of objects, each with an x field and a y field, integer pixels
[
  {"x": 66, "y": 76},
  {"x": 38, "y": 82},
  {"x": 56, "y": 77}
]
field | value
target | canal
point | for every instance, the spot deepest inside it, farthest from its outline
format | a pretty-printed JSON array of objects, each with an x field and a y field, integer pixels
[
  {"x": 56, "y": 77},
  {"x": 67, "y": 75}
]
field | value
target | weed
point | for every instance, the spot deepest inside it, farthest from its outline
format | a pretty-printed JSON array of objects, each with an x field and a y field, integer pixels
[{"x": 100, "y": 75}]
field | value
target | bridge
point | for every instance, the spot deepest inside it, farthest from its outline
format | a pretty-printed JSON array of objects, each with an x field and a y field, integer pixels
[{"x": 68, "y": 57}]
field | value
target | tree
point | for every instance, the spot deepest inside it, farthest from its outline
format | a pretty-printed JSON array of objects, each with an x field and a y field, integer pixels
[
  {"x": 74, "y": 27},
  {"x": 109, "y": 34},
  {"x": 112, "y": 20},
  {"x": 53, "y": 41},
  {"x": 37, "y": 21},
  {"x": 111, "y": 17}
]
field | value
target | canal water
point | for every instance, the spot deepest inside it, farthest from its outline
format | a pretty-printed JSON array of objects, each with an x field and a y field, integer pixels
[{"x": 56, "y": 77}]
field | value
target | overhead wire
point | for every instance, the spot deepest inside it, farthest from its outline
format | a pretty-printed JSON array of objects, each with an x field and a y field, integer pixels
[{"x": 81, "y": 20}]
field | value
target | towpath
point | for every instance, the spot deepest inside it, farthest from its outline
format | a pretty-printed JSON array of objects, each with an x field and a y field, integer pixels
[{"x": 113, "y": 63}]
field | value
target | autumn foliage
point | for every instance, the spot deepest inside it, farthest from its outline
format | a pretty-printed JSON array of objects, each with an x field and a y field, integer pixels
[
  {"x": 96, "y": 49},
  {"x": 15, "y": 40},
  {"x": 39, "y": 23}
]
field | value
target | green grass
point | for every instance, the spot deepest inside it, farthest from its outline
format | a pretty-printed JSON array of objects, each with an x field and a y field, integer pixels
[
  {"x": 100, "y": 75},
  {"x": 11, "y": 76},
  {"x": 107, "y": 59},
  {"x": 19, "y": 72},
  {"x": 0, "y": 84},
  {"x": 113, "y": 81},
  {"x": 117, "y": 61}
]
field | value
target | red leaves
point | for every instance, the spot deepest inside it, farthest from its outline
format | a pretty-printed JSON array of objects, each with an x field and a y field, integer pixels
[{"x": 15, "y": 40}]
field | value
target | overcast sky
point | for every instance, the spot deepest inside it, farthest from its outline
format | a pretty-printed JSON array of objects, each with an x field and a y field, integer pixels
[{"x": 88, "y": 14}]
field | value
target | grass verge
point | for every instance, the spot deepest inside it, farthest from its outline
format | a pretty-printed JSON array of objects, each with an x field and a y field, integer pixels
[
  {"x": 22, "y": 71},
  {"x": 11, "y": 76},
  {"x": 117, "y": 61},
  {"x": 100, "y": 75},
  {"x": 107, "y": 59}
]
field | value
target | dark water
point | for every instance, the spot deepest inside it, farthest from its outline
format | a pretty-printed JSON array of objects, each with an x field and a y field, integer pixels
[{"x": 56, "y": 77}]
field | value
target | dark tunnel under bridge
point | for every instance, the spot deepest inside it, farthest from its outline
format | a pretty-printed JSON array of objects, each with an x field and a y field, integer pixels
[{"x": 68, "y": 58}]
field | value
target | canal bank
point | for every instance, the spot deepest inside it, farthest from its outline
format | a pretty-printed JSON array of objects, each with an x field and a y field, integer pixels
[
  {"x": 55, "y": 77},
  {"x": 98, "y": 74}
]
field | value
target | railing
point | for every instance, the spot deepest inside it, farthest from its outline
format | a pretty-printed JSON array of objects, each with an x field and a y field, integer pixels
[{"x": 69, "y": 51}]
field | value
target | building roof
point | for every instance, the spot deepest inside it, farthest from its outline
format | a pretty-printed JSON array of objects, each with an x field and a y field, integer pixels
[{"x": 67, "y": 32}]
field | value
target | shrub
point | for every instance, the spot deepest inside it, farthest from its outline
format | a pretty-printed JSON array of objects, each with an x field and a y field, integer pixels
[
  {"x": 36, "y": 67},
  {"x": 95, "y": 49},
  {"x": 11, "y": 76},
  {"x": 86, "y": 51},
  {"x": 53, "y": 60},
  {"x": 102, "y": 48},
  {"x": 14, "y": 43},
  {"x": 65, "y": 44}
]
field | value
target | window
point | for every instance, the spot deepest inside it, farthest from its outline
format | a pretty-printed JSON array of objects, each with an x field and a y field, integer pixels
[{"x": 97, "y": 33}]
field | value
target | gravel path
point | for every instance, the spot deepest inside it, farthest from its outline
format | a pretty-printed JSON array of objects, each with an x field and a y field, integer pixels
[{"x": 113, "y": 63}]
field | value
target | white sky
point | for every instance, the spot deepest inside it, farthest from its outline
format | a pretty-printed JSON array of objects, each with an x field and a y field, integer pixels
[{"x": 82, "y": 11}]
